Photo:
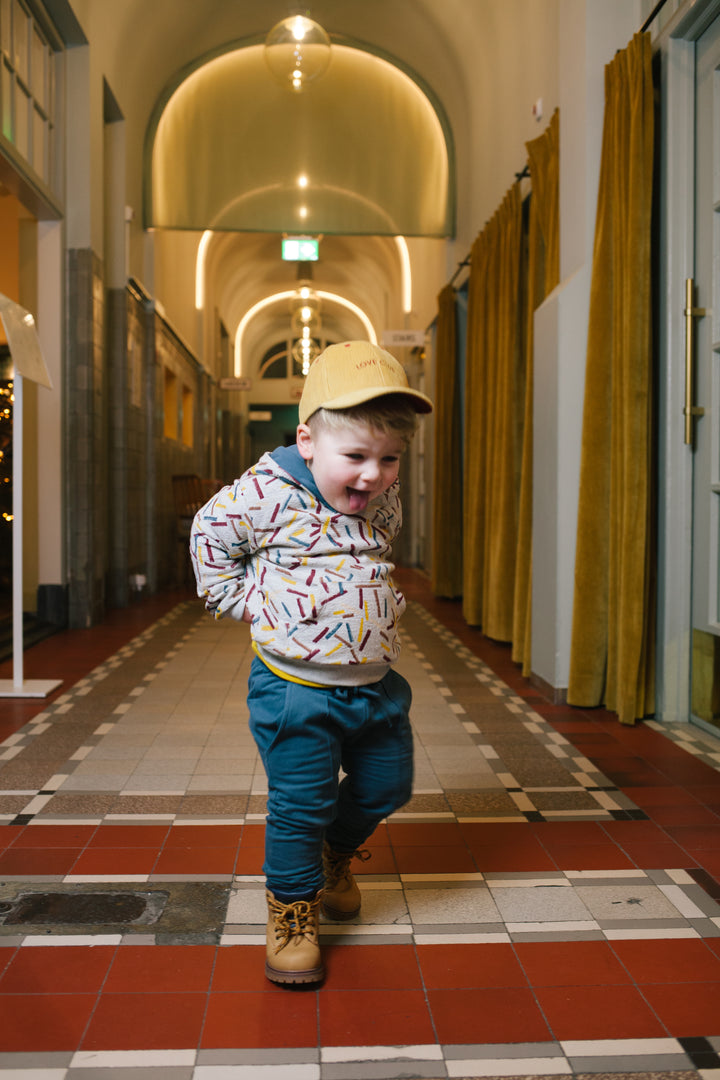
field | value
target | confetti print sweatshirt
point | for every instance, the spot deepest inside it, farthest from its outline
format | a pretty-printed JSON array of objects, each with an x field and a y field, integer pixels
[{"x": 316, "y": 582}]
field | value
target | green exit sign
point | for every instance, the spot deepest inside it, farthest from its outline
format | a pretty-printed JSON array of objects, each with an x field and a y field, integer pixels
[{"x": 300, "y": 249}]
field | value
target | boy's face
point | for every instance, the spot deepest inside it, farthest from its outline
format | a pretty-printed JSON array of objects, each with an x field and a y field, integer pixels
[{"x": 350, "y": 465}]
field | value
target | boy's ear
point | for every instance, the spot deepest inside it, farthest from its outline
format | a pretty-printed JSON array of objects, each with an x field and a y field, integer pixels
[{"x": 304, "y": 441}]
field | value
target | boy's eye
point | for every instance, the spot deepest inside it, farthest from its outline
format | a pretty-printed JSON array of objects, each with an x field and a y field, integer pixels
[{"x": 355, "y": 457}]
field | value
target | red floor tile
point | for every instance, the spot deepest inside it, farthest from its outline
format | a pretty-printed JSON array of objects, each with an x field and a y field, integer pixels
[
  {"x": 669, "y": 961},
  {"x": 433, "y": 860},
  {"x": 250, "y": 860},
  {"x": 146, "y": 1021},
  {"x": 55, "y": 836},
  {"x": 593, "y": 857},
  {"x": 196, "y": 861},
  {"x": 425, "y": 835},
  {"x": 116, "y": 861},
  {"x": 381, "y": 861},
  {"x": 374, "y": 1018},
  {"x": 682, "y": 815},
  {"x": 626, "y": 833},
  {"x": 371, "y": 967},
  {"x": 478, "y": 834},
  {"x": 450, "y": 967},
  {"x": 598, "y": 1012},
  {"x": 161, "y": 968},
  {"x": 7, "y": 952},
  {"x": 252, "y": 836},
  {"x": 552, "y": 834},
  {"x": 66, "y": 969},
  {"x": 379, "y": 838},
  {"x": 708, "y": 794},
  {"x": 25, "y": 862},
  {"x": 9, "y": 834},
  {"x": 41, "y": 1023},
  {"x": 696, "y": 838},
  {"x": 710, "y": 862},
  {"x": 672, "y": 795},
  {"x": 687, "y": 1009},
  {"x": 640, "y": 776},
  {"x": 570, "y": 963},
  {"x": 130, "y": 836},
  {"x": 240, "y": 967},
  {"x": 666, "y": 855},
  {"x": 273, "y": 1018},
  {"x": 189, "y": 836},
  {"x": 495, "y": 857},
  {"x": 497, "y": 1015}
]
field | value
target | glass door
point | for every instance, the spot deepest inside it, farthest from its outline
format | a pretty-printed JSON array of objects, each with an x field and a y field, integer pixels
[{"x": 702, "y": 316}]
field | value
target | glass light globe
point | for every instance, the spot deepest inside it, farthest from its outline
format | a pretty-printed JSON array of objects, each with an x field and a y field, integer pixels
[{"x": 297, "y": 51}]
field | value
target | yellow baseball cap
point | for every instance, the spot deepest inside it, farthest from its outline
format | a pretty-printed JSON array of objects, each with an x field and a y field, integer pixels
[{"x": 352, "y": 372}]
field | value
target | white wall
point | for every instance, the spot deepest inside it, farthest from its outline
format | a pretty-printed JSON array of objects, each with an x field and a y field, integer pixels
[{"x": 590, "y": 33}]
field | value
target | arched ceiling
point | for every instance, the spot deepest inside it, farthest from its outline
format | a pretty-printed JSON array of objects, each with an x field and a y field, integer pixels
[
  {"x": 144, "y": 50},
  {"x": 241, "y": 270},
  {"x": 234, "y": 149}
]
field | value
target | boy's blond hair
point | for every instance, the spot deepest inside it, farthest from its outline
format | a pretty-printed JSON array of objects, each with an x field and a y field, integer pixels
[{"x": 391, "y": 415}]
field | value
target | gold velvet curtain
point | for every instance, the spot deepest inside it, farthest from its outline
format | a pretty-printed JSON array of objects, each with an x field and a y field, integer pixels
[
  {"x": 543, "y": 274},
  {"x": 494, "y": 392},
  {"x": 447, "y": 474},
  {"x": 612, "y": 659}
]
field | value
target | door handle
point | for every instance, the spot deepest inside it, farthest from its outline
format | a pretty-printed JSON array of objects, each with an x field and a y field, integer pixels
[{"x": 691, "y": 313}]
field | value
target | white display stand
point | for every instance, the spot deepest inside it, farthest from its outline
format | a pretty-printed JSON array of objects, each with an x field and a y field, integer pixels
[{"x": 28, "y": 363}]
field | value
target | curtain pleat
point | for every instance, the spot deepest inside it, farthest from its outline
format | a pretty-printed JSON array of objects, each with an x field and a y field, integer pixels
[
  {"x": 612, "y": 660},
  {"x": 495, "y": 387},
  {"x": 543, "y": 274},
  {"x": 474, "y": 451},
  {"x": 446, "y": 578}
]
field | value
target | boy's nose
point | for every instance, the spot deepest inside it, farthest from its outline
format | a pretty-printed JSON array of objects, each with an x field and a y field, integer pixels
[{"x": 371, "y": 471}]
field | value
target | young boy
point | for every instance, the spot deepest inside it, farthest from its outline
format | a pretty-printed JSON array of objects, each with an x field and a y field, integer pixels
[{"x": 299, "y": 547}]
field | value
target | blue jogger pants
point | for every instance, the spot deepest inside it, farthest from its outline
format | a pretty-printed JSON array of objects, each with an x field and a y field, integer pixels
[{"x": 305, "y": 735}]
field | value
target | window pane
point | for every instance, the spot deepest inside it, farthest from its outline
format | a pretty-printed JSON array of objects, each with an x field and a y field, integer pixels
[
  {"x": 6, "y": 90},
  {"x": 38, "y": 74},
  {"x": 22, "y": 122},
  {"x": 5, "y": 28},
  {"x": 21, "y": 42},
  {"x": 40, "y": 156}
]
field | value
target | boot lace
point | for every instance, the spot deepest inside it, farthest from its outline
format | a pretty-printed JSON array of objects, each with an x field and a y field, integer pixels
[
  {"x": 298, "y": 919},
  {"x": 337, "y": 864}
]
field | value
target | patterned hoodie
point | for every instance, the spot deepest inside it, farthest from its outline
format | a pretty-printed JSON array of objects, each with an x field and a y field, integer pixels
[{"x": 315, "y": 581}]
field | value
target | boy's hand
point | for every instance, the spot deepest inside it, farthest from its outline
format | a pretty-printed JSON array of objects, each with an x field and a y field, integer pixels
[{"x": 246, "y": 616}]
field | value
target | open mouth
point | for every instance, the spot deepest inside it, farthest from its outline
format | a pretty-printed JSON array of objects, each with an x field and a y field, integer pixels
[{"x": 357, "y": 500}]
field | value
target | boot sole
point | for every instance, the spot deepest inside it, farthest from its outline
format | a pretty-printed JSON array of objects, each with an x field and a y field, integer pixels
[
  {"x": 340, "y": 916},
  {"x": 287, "y": 977}
]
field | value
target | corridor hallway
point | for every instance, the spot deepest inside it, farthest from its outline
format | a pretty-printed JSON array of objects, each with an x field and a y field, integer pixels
[{"x": 547, "y": 904}]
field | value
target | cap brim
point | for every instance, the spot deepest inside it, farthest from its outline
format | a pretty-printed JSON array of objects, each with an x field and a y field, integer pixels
[{"x": 419, "y": 402}]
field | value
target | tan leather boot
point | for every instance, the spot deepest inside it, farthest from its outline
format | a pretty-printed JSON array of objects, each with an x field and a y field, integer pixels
[
  {"x": 341, "y": 896},
  {"x": 293, "y": 952}
]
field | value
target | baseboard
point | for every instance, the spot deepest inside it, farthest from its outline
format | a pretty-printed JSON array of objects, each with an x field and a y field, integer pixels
[{"x": 555, "y": 694}]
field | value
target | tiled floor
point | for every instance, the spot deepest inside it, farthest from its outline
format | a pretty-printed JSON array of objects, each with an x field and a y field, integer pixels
[{"x": 547, "y": 903}]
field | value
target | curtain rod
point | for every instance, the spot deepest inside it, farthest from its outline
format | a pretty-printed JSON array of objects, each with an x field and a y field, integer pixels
[
  {"x": 655, "y": 11},
  {"x": 525, "y": 171}
]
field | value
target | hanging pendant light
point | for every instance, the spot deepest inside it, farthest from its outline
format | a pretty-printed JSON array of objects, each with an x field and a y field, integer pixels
[{"x": 297, "y": 51}]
